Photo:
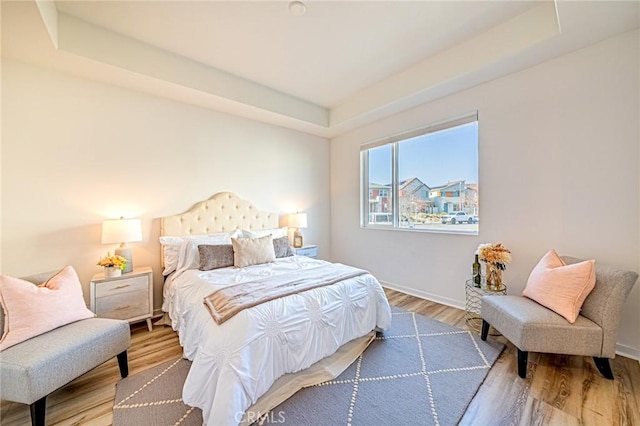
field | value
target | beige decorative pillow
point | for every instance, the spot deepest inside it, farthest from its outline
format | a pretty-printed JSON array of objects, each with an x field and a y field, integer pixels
[
  {"x": 215, "y": 256},
  {"x": 252, "y": 251}
]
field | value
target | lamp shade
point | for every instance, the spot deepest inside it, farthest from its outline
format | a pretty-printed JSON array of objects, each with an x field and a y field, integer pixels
[
  {"x": 121, "y": 231},
  {"x": 298, "y": 220}
]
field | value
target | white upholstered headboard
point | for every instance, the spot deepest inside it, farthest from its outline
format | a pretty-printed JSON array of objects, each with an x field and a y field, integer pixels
[{"x": 224, "y": 212}]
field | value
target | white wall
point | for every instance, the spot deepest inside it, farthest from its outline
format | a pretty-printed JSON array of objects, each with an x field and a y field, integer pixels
[
  {"x": 559, "y": 168},
  {"x": 76, "y": 152}
]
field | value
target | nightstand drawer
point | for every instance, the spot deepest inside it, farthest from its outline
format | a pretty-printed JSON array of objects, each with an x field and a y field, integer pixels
[
  {"x": 129, "y": 297},
  {"x": 124, "y": 285},
  {"x": 126, "y": 305}
]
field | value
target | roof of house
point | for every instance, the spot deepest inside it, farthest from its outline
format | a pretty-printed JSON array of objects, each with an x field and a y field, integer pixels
[
  {"x": 473, "y": 186},
  {"x": 409, "y": 181},
  {"x": 453, "y": 184}
]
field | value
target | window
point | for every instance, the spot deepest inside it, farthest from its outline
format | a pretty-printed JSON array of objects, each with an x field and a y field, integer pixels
[
  {"x": 380, "y": 218},
  {"x": 380, "y": 203},
  {"x": 423, "y": 180}
]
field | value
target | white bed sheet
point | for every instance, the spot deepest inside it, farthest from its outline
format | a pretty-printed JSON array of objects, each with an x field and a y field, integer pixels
[{"x": 237, "y": 362}]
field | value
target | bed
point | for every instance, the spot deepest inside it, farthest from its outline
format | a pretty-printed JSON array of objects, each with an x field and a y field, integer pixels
[{"x": 254, "y": 360}]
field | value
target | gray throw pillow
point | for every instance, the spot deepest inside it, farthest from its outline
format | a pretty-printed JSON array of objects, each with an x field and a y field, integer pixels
[
  {"x": 215, "y": 256},
  {"x": 282, "y": 247}
]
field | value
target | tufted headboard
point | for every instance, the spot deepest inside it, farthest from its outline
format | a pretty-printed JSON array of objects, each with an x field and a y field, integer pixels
[{"x": 224, "y": 212}]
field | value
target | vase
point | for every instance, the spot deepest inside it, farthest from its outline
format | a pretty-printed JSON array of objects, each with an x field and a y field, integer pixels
[
  {"x": 112, "y": 271},
  {"x": 494, "y": 277}
]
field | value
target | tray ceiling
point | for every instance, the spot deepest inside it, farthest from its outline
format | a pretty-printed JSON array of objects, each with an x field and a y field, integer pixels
[{"x": 340, "y": 65}]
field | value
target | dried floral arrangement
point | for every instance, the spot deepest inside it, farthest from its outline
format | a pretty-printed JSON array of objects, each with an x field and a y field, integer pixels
[{"x": 496, "y": 254}]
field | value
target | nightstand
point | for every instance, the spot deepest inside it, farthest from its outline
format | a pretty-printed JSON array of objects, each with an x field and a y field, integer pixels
[
  {"x": 308, "y": 251},
  {"x": 128, "y": 297}
]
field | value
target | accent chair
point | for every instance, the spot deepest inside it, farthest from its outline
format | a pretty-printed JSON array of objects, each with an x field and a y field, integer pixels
[
  {"x": 31, "y": 370},
  {"x": 532, "y": 327}
]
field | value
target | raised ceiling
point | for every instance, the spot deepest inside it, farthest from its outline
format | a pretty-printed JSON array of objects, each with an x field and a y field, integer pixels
[
  {"x": 340, "y": 65},
  {"x": 323, "y": 57}
]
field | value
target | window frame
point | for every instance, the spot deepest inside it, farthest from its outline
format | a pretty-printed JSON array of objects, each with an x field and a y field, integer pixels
[{"x": 394, "y": 141}]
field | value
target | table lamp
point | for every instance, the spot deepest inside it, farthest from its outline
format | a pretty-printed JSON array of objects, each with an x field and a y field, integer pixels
[
  {"x": 122, "y": 231},
  {"x": 297, "y": 221}
]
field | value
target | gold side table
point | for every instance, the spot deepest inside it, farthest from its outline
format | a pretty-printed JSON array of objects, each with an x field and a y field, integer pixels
[{"x": 473, "y": 297}]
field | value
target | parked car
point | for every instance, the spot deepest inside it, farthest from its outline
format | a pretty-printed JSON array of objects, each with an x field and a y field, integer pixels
[{"x": 457, "y": 217}]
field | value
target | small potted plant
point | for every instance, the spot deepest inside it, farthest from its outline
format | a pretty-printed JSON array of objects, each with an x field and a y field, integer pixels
[{"x": 113, "y": 265}]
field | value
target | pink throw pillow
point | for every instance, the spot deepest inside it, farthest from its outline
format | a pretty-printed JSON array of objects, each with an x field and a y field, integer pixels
[
  {"x": 32, "y": 310},
  {"x": 560, "y": 287}
]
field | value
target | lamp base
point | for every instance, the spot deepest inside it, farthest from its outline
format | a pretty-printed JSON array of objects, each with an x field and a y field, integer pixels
[
  {"x": 126, "y": 253},
  {"x": 297, "y": 239}
]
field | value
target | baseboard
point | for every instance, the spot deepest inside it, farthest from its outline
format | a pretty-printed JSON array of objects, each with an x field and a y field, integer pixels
[
  {"x": 628, "y": 351},
  {"x": 424, "y": 295},
  {"x": 622, "y": 350}
]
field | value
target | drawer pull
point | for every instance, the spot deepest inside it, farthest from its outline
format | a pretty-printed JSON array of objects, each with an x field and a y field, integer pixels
[
  {"x": 119, "y": 308},
  {"x": 121, "y": 286}
]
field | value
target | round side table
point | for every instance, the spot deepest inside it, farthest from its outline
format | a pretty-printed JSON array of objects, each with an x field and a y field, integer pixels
[{"x": 473, "y": 296}]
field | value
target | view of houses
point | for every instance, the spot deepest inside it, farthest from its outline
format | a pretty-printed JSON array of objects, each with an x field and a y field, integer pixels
[{"x": 419, "y": 203}]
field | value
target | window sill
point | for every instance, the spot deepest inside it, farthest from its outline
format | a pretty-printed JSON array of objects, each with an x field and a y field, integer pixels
[{"x": 445, "y": 229}]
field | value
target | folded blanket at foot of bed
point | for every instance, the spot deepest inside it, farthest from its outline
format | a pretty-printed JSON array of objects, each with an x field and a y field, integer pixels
[{"x": 228, "y": 301}]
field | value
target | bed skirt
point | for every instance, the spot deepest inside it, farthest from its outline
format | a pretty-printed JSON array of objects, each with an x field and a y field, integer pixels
[{"x": 326, "y": 369}]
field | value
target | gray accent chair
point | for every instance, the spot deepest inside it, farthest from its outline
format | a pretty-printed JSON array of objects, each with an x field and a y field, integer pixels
[
  {"x": 31, "y": 370},
  {"x": 533, "y": 328}
]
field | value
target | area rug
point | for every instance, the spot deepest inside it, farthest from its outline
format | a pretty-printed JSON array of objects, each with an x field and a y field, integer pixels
[{"x": 419, "y": 372}]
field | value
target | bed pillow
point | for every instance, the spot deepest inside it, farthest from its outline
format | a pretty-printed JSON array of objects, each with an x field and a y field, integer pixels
[
  {"x": 253, "y": 251},
  {"x": 171, "y": 250},
  {"x": 281, "y": 247},
  {"x": 215, "y": 256},
  {"x": 171, "y": 246},
  {"x": 275, "y": 233},
  {"x": 189, "y": 258},
  {"x": 32, "y": 310},
  {"x": 560, "y": 287}
]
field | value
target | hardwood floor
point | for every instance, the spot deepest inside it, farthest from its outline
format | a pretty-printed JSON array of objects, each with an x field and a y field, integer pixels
[
  {"x": 88, "y": 400},
  {"x": 559, "y": 390}
]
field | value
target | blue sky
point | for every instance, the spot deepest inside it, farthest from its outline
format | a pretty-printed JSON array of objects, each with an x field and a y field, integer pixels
[{"x": 435, "y": 158}]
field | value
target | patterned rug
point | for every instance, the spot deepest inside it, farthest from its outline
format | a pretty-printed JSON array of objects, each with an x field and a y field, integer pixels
[{"x": 419, "y": 372}]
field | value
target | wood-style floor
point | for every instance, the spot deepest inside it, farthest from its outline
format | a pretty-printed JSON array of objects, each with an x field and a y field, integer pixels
[{"x": 559, "y": 390}]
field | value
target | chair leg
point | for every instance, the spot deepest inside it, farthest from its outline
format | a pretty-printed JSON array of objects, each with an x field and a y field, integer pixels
[
  {"x": 123, "y": 364},
  {"x": 38, "y": 412},
  {"x": 603, "y": 366},
  {"x": 522, "y": 363},
  {"x": 485, "y": 330}
]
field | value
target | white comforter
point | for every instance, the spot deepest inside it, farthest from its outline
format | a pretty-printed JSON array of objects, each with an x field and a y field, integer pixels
[{"x": 237, "y": 362}]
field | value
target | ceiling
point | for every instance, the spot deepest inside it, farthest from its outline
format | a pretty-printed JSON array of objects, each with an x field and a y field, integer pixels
[
  {"x": 341, "y": 65},
  {"x": 324, "y": 56}
]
